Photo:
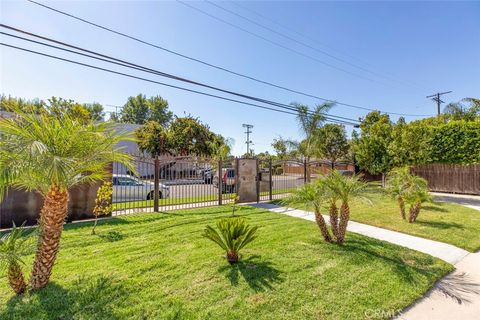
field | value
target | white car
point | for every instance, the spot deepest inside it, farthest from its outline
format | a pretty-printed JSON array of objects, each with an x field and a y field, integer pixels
[{"x": 127, "y": 187}]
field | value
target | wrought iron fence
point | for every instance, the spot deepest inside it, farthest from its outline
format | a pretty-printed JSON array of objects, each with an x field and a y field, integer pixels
[{"x": 168, "y": 183}]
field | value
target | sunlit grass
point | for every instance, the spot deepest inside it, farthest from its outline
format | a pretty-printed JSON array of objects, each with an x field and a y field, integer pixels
[{"x": 158, "y": 266}]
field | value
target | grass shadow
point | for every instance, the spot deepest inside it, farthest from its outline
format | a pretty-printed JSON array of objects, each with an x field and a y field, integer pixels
[
  {"x": 92, "y": 298},
  {"x": 259, "y": 275},
  {"x": 435, "y": 207},
  {"x": 371, "y": 250},
  {"x": 440, "y": 224}
]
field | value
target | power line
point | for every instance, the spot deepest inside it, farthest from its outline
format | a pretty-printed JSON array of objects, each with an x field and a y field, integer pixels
[
  {"x": 436, "y": 97},
  {"x": 305, "y": 44},
  {"x": 142, "y": 68},
  {"x": 276, "y": 43},
  {"x": 160, "y": 83},
  {"x": 216, "y": 66},
  {"x": 312, "y": 39}
]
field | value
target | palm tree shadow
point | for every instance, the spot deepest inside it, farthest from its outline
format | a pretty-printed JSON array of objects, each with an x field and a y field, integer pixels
[
  {"x": 459, "y": 287},
  {"x": 259, "y": 275},
  {"x": 376, "y": 250},
  {"x": 439, "y": 224},
  {"x": 88, "y": 299},
  {"x": 435, "y": 207}
]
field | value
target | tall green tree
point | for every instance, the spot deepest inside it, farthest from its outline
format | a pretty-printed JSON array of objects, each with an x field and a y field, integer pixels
[
  {"x": 95, "y": 110},
  {"x": 371, "y": 147},
  {"x": 332, "y": 142},
  {"x": 50, "y": 155},
  {"x": 139, "y": 110},
  {"x": 154, "y": 139},
  {"x": 467, "y": 109},
  {"x": 190, "y": 136}
]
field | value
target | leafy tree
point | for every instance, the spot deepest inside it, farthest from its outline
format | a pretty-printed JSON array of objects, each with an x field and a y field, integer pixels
[
  {"x": 14, "y": 245},
  {"x": 59, "y": 107},
  {"x": 409, "y": 145},
  {"x": 189, "y": 136},
  {"x": 139, "y": 110},
  {"x": 95, "y": 110},
  {"x": 371, "y": 147},
  {"x": 11, "y": 103},
  {"x": 233, "y": 234},
  {"x": 280, "y": 147},
  {"x": 221, "y": 147},
  {"x": 154, "y": 139},
  {"x": 456, "y": 142},
  {"x": 332, "y": 142},
  {"x": 50, "y": 155},
  {"x": 460, "y": 111}
]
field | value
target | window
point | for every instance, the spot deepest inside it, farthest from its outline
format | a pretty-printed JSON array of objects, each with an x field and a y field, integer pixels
[{"x": 124, "y": 181}]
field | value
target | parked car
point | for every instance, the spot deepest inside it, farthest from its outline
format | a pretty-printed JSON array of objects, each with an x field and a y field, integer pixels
[
  {"x": 228, "y": 180},
  {"x": 127, "y": 187},
  {"x": 207, "y": 175}
]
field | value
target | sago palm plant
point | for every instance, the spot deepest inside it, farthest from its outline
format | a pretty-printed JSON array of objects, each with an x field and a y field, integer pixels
[
  {"x": 345, "y": 189},
  {"x": 233, "y": 234},
  {"x": 13, "y": 246},
  {"x": 312, "y": 197},
  {"x": 50, "y": 155}
]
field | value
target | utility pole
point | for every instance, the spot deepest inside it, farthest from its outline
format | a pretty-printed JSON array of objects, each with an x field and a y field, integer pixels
[
  {"x": 248, "y": 142},
  {"x": 436, "y": 97}
]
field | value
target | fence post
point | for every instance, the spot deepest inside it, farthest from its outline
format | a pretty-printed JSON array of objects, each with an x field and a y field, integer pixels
[
  {"x": 258, "y": 180},
  {"x": 156, "y": 183},
  {"x": 220, "y": 166},
  {"x": 305, "y": 170},
  {"x": 270, "y": 181}
]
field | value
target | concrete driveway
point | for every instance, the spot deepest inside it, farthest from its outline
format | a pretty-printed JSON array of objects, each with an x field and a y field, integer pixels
[{"x": 462, "y": 199}]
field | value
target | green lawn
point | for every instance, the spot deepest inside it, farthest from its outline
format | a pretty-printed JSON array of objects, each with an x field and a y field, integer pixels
[
  {"x": 157, "y": 266},
  {"x": 445, "y": 222}
]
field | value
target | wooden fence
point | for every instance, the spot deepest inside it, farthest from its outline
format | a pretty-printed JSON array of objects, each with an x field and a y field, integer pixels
[{"x": 451, "y": 177}]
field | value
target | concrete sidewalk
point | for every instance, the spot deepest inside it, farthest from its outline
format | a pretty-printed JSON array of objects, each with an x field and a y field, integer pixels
[
  {"x": 446, "y": 252},
  {"x": 456, "y": 296}
]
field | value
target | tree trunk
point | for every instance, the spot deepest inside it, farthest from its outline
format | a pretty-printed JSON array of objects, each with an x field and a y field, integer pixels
[
  {"x": 383, "y": 180},
  {"x": 52, "y": 217},
  {"x": 334, "y": 220},
  {"x": 401, "y": 204},
  {"x": 323, "y": 226},
  {"x": 414, "y": 211},
  {"x": 232, "y": 257},
  {"x": 342, "y": 225},
  {"x": 16, "y": 278}
]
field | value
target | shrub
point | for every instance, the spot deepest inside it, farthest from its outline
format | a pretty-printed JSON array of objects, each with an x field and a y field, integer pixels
[
  {"x": 233, "y": 234},
  {"x": 103, "y": 202},
  {"x": 13, "y": 246}
]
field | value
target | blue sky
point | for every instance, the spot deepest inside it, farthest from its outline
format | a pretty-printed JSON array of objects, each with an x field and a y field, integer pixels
[{"x": 418, "y": 48}]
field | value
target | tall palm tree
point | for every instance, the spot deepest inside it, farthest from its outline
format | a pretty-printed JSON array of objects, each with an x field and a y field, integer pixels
[
  {"x": 346, "y": 189},
  {"x": 310, "y": 121},
  {"x": 13, "y": 246},
  {"x": 311, "y": 195},
  {"x": 50, "y": 155}
]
